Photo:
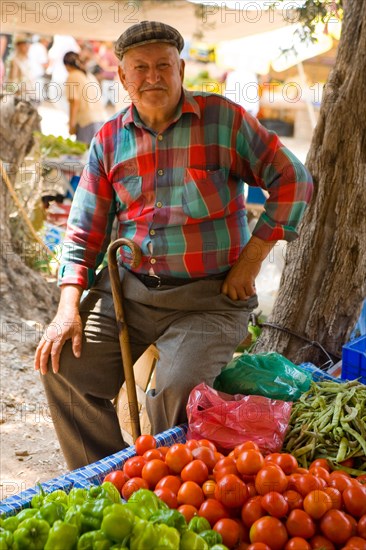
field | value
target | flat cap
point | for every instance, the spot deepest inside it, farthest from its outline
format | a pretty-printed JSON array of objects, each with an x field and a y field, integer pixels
[{"x": 147, "y": 32}]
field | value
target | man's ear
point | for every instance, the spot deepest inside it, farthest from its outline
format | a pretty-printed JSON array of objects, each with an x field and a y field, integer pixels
[
  {"x": 181, "y": 68},
  {"x": 122, "y": 77}
]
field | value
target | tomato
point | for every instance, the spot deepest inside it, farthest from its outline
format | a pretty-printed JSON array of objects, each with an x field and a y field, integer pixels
[
  {"x": 118, "y": 478},
  {"x": 169, "y": 482},
  {"x": 192, "y": 444},
  {"x": 229, "y": 530},
  {"x": 274, "y": 504},
  {"x": 132, "y": 485},
  {"x": 252, "y": 510},
  {"x": 154, "y": 471},
  {"x": 355, "y": 543},
  {"x": 354, "y": 499},
  {"x": 207, "y": 455},
  {"x": 224, "y": 463},
  {"x": 167, "y": 496},
  {"x": 258, "y": 546},
  {"x": 249, "y": 462},
  {"x": 348, "y": 463},
  {"x": 150, "y": 454},
  {"x": 353, "y": 522},
  {"x": 208, "y": 488},
  {"x": 361, "y": 526},
  {"x": 340, "y": 480},
  {"x": 252, "y": 491},
  {"x": 207, "y": 443},
  {"x": 177, "y": 457},
  {"x": 212, "y": 510},
  {"x": 297, "y": 543},
  {"x": 322, "y": 462},
  {"x": 318, "y": 542},
  {"x": 271, "y": 457},
  {"x": 286, "y": 462},
  {"x": 133, "y": 466},
  {"x": 231, "y": 491},
  {"x": 270, "y": 478},
  {"x": 195, "y": 471},
  {"x": 306, "y": 483},
  {"x": 244, "y": 447},
  {"x": 269, "y": 530},
  {"x": 316, "y": 503},
  {"x": 188, "y": 511},
  {"x": 190, "y": 493},
  {"x": 336, "y": 526},
  {"x": 144, "y": 443},
  {"x": 164, "y": 449},
  {"x": 319, "y": 471},
  {"x": 294, "y": 499},
  {"x": 336, "y": 497},
  {"x": 300, "y": 524},
  {"x": 226, "y": 470}
]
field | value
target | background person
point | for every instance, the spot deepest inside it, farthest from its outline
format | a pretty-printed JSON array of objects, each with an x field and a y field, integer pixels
[
  {"x": 86, "y": 114},
  {"x": 19, "y": 72},
  {"x": 172, "y": 168}
]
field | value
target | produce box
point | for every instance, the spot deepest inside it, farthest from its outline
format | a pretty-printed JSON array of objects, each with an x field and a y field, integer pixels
[
  {"x": 93, "y": 474},
  {"x": 354, "y": 360}
]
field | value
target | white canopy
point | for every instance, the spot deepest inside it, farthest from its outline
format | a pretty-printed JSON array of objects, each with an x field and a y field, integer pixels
[{"x": 107, "y": 19}]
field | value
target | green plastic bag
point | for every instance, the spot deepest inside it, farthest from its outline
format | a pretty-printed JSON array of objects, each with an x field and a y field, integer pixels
[{"x": 267, "y": 374}]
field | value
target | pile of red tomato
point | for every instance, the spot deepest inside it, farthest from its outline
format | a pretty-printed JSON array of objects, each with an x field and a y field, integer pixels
[{"x": 255, "y": 502}]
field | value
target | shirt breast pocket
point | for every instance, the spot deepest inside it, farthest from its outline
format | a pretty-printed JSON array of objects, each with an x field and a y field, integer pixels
[
  {"x": 205, "y": 193},
  {"x": 129, "y": 195}
]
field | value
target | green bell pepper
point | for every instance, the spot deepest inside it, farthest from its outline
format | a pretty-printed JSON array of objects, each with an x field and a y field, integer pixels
[
  {"x": 94, "y": 540},
  {"x": 38, "y": 499},
  {"x": 198, "y": 524},
  {"x": 32, "y": 534},
  {"x": 6, "y": 539},
  {"x": 144, "y": 503},
  {"x": 118, "y": 547},
  {"x": 10, "y": 523},
  {"x": 118, "y": 522},
  {"x": 74, "y": 516},
  {"x": 191, "y": 541},
  {"x": 51, "y": 512},
  {"x": 92, "y": 513},
  {"x": 62, "y": 536},
  {"x": 211, "y": 537},
  {"x": 57, "y": 496},
  {"x": 77, "y": 495},
  {"x": 26, "y": 514},
  {"x": 144, "y": 535},
  {"x": 219, "y": 547},
  {"x": 168, "y": 537},
  {"x": 172, "y": 518},
  {"x": 105, "y": 490}
]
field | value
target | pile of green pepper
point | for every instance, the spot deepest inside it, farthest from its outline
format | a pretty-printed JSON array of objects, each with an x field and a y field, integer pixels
[{"x": 98, "y": 519}]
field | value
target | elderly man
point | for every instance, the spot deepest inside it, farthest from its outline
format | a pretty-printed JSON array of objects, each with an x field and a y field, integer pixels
[{"x": 172, "y": 168}]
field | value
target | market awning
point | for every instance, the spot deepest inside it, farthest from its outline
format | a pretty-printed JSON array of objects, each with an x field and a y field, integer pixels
[{"x": 107, "y": 19}]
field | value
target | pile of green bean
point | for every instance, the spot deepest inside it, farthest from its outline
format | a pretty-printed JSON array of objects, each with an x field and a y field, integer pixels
[{"x": 329, "y": 420}]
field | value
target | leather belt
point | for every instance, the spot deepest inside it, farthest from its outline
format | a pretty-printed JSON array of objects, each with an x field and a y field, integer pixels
[{"x": 156, "y": 281}]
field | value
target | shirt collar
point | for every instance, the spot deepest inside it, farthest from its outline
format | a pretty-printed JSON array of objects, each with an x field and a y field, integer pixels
[{"x": 187, "y": 105}]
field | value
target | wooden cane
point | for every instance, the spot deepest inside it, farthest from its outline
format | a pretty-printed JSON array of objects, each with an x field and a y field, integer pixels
[{"x": 124, "y": 341}]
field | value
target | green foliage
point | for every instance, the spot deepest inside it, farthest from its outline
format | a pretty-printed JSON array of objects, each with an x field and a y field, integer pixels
[{"x": 55, "y": 146}]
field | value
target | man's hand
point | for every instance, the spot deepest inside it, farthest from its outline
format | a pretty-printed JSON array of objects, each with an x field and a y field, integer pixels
[
  {"x": 240, "y": 282},
  {"x": 66, "y": 325}
]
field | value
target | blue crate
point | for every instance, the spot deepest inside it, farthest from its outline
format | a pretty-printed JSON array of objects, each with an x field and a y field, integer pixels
[{"x": 354, "y": 360}]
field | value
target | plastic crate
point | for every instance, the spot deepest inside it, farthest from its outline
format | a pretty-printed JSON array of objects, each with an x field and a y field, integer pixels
[{"x": 354, "y": 360}]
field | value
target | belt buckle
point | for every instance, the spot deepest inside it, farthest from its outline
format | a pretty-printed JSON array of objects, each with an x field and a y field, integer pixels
[{"x": 158, "y": 280}]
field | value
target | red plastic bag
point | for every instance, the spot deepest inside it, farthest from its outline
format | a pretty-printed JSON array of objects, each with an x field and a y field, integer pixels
[{"x": 228, "y": 420}]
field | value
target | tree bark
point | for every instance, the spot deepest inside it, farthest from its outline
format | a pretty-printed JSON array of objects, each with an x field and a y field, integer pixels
[
  {"x": 324, "y": 280},
  {"x": 24, "y": 292}
]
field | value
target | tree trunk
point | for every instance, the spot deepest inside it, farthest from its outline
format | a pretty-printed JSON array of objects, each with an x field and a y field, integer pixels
[
  {"x": 24, "y": 292},
  {"x": 324, "y": 280}
]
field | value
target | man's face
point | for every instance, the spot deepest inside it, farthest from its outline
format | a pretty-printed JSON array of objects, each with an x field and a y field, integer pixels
[{"x": 152, "y": 74}]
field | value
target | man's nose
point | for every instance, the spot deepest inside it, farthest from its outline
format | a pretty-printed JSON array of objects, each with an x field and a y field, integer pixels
[{"x": 153, "y": 75}]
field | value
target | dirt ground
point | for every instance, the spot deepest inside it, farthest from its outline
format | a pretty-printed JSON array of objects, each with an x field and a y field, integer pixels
[{"x": 29, "y": 452}]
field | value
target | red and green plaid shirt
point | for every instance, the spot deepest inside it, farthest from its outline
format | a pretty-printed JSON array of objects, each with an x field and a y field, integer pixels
[{"x": 179, "y": 194}]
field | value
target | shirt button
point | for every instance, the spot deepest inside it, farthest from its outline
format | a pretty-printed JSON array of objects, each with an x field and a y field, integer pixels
[
  {"x": 152, "y": 231},
  {"x": 153, "y": 261},
  {"x": 159, "y": 204},
  {"x": 160, "y": 172},
  {"x": 160, "y": 137}
]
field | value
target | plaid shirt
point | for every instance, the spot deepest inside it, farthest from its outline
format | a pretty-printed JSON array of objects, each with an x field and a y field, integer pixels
[{"x": 179, "y": 194}]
